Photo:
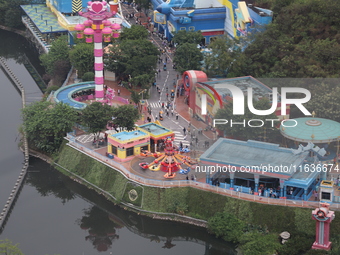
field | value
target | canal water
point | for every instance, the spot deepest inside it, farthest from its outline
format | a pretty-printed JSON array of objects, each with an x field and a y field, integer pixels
[{"x": 54, "y": 215}]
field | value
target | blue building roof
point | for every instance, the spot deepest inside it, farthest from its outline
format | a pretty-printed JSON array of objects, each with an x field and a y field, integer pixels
[
  {"x": 259, "y": 155},
  {"x": 128, "y": 135},
  {"x": 155, "y": 128}
]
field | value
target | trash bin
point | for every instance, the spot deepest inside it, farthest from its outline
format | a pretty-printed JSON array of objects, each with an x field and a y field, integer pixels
[{"x": 110, "y": 156}]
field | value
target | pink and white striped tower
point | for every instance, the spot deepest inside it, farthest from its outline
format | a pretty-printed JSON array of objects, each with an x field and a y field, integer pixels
[{"x": 95, "y": 29}]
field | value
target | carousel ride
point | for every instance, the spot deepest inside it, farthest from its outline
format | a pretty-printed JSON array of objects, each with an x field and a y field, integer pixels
[{"x": 170, "y": 161}]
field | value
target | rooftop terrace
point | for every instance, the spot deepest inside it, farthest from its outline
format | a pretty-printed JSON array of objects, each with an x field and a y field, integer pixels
[
  {"x": 128, "y": 135},
  {"x": 155, "y": 129}
]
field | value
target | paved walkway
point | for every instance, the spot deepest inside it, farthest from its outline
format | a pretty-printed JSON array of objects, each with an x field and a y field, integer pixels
[{"x": 165, "y": 80}]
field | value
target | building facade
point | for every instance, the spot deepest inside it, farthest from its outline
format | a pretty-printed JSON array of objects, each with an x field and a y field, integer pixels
[{"x": 212, "y": 17}]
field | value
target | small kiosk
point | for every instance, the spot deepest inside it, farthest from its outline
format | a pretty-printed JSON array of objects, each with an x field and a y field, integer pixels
[
  {"x": 127, "y": 144},
  {"x": 157, "y": 133},
  {"x": 326, "y": 191}
]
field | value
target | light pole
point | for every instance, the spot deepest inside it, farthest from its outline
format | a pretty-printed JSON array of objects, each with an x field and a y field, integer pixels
[{"x": 96, "y": 28}]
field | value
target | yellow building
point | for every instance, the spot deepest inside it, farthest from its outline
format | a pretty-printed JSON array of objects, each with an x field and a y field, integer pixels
[{"x": 127, "y": 144}]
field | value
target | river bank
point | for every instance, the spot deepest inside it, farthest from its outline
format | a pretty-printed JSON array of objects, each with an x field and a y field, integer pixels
[
  {"x": 47, "y": 194},
  {"x": 184, "y": 204},
  {"x": 14, "y": 30}
]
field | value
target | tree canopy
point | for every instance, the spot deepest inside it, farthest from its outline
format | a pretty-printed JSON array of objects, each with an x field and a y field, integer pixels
[
  {"x": 8, "y": 248},
  {"x": 11, "y": 12},
  {"x": 82, "y": 59},
  {"x": 125, "y": 116},
  {"x": 134, "y": 33},
  {"x": 188, "y": 57},
  {"x": 46, "y": 125},
  {"x": 137, "y": 58},
  {"x": 57, "y": 61},
  {"x": 95, "y": 117},
  {"x": 183, "y": 36},
  {"x": 226, "y": 226},
  {"x": 224, "y": 52},
  {"x": 302, "y": 41},
  {"x": 325, "y": 99},
  {"x": 259, "y": 244}
]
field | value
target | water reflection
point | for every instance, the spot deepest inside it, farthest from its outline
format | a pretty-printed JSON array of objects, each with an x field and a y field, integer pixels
[
  {"x": 101, "y": 229},
  {"x": 105, "y": 223},
  {"x": 14, "y": 46},
  {"x": 48, "y": 181}
]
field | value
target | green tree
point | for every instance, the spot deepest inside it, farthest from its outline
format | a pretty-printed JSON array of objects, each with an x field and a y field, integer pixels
[
  {"x": 57, "y": 62},
  {"x": 325, "y": 99},
  {"x": 134, "y": 33},
  {"x": 143, "y": 81},
  {"x": 95, "y": 117},
  {"x": 47, "y": 124},
  {"x": 8, "y": 248},
  {"x": 183, "y": 36},
  {"x": 89, "y": 76},
  {"x": 135, "y": 58},
  {"x": 259, "y": 244},
  {"x": 226, "y": 226},
  {"x": 126, "y": 116},
  {"x": 11, "y": 12},
  {"x": 224, "y": 52},
  {"x": 82, "y": 59},
  {"x": 135, "y": 97},
  {"x": 188, "y": 57},
  {"x": 301, "y": 41}
]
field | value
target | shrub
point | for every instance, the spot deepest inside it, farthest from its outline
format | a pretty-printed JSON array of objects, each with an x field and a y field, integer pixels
[
  {"x": 89, "y": 76},
  {"x": 226, "y": 226},
  {"x": 51, "y": 88},
  {"x": 255, "y": 243}
]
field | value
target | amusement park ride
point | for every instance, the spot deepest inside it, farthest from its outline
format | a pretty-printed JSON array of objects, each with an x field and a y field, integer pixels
[{"x": 170, "y": 161}]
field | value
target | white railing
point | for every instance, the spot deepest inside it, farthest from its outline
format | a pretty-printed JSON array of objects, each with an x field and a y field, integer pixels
[{"x": 188, "y": 183}]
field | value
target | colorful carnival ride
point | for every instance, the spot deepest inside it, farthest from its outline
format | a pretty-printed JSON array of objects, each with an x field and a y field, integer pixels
[{"x": 170, "y": 161}]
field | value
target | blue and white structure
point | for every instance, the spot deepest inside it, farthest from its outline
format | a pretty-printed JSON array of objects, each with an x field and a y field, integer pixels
[{"x": 212, "y": 17}]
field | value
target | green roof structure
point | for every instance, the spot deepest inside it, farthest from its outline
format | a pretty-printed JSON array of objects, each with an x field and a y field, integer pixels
[
  {"x": 43, "y": 18},
  {"x": 311, "y": 129}
]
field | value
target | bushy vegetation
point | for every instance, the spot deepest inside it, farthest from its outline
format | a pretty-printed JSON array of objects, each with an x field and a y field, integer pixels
[
  {"x": 254, "y": 227},
  {"x": 134, "y": 59},
  {"x": 88, "y": 76},
  {"x": 82, "y": 59},
  {"x": 46, "y": 125},
  {"x": 302, "y": 41},
  {"x": 57, "y": 61},
  {"x": 226, "y": 226}
]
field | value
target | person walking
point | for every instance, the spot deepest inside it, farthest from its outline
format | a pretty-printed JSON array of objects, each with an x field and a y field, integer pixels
[
  {"x": 184, "y": 130},
  {"x": 176, "y": 116},
  {"x": 118, "y": 92}
]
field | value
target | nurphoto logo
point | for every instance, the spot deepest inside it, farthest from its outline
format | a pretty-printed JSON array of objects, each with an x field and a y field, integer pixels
[{"x": 238, "y": 105}]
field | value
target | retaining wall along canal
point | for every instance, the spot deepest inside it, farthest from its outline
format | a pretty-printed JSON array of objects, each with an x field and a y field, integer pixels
[{"x": 4, "y": 215}]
